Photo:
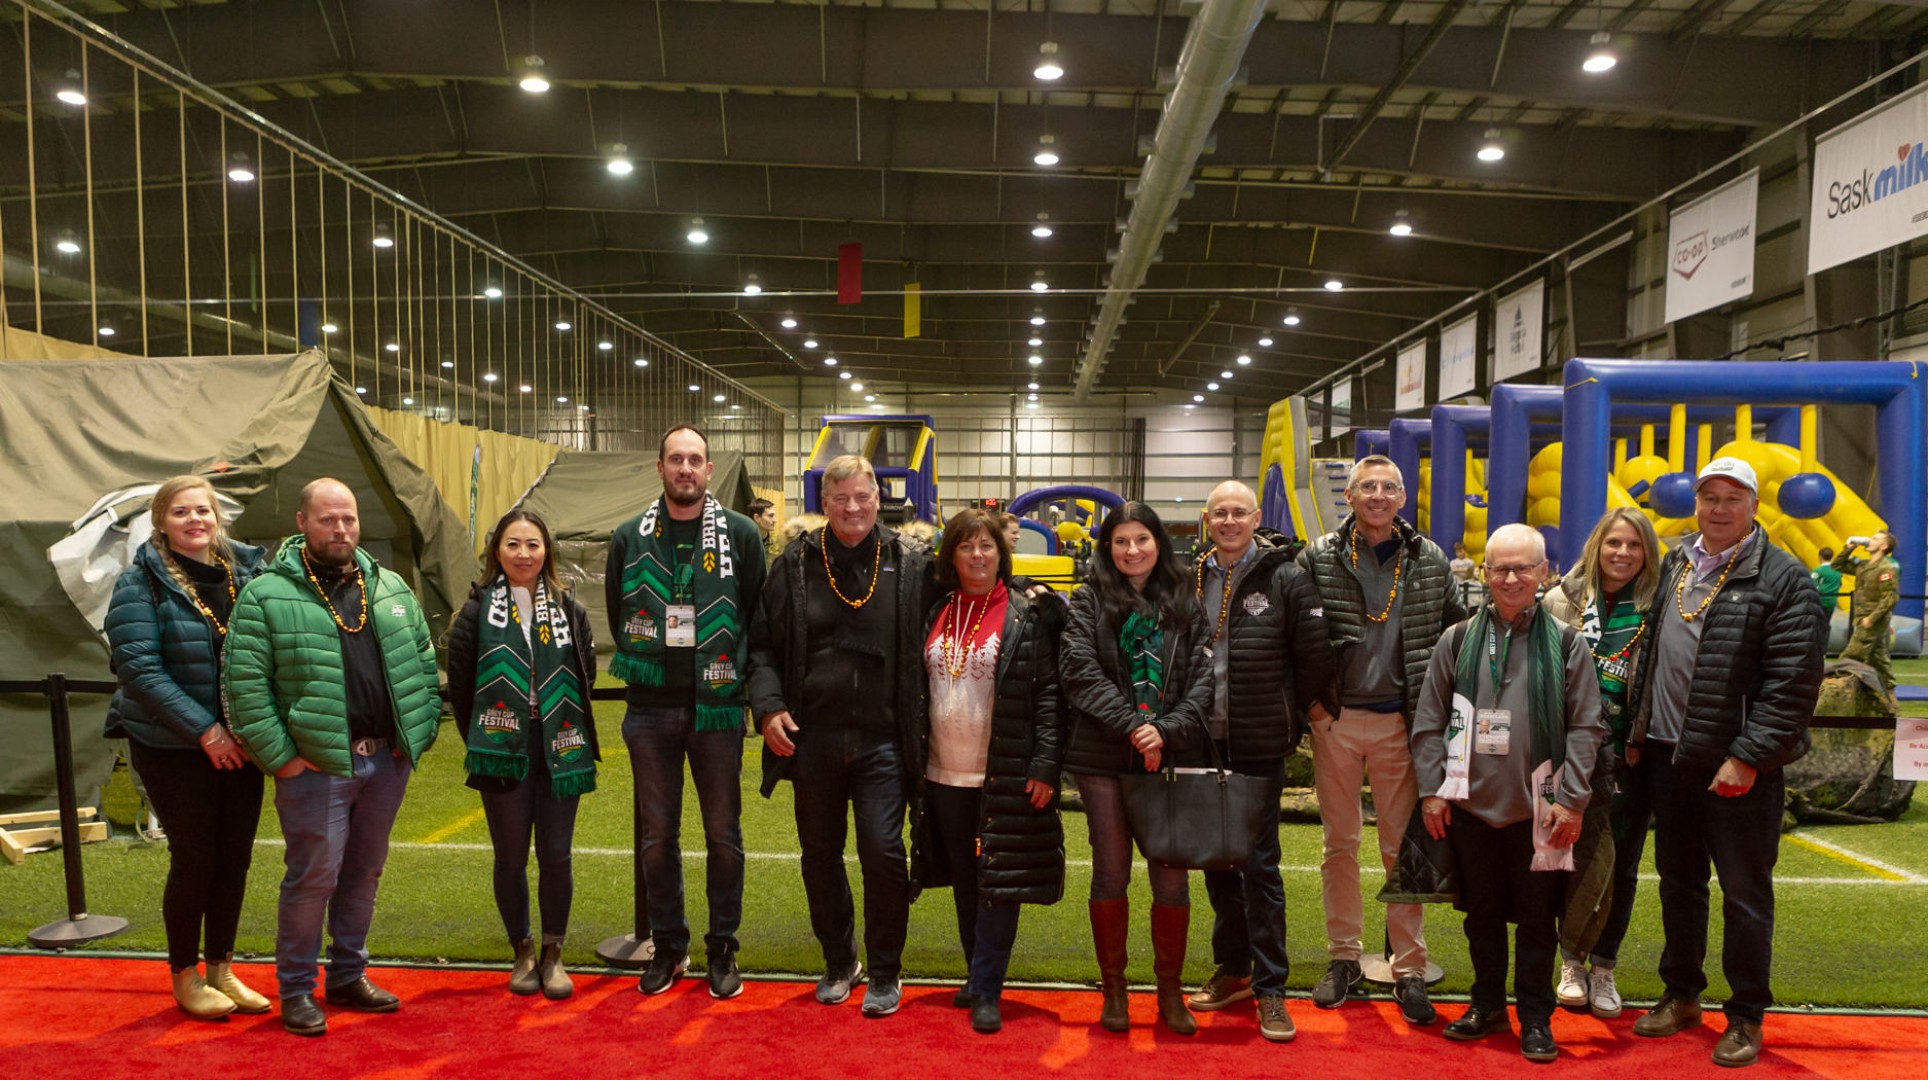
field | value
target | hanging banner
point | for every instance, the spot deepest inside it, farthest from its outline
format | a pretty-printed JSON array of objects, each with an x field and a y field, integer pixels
[
  {"x": 1411, "y": 373},
  {"x": 1519, "y": 332},
  {"x": 1712, "y": 244},
  {"x": 850, "y": 273},
  {"x": 1341, "y": 407},
  {"x": 1458, "y": 350},
  {"x": 913, "y": 310},
  {"x": 1870, "y": 183}
]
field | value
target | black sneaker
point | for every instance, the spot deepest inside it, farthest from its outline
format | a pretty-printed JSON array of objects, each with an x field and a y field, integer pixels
[
  {"x": 662, "y": 971},
  {"x": 1414, "y": 1003},
  {"x": 725, "y": 980},
  {"x": 1340, "y": 977},
  {"x": 834, "y": 987}
]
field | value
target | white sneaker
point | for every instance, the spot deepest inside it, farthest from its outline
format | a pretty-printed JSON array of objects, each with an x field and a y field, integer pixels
[
  {"x": 1603, "y": 998},
  {"x": 1573, "y": 984}
]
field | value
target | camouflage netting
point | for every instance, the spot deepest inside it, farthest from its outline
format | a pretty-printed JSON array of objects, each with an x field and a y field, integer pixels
[{"x": 1848, "y": 778}]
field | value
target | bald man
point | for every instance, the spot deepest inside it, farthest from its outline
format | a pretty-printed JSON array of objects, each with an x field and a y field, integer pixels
[
  {"x": 1270, "y": 661},
  {"x": 329, "y": 675}
]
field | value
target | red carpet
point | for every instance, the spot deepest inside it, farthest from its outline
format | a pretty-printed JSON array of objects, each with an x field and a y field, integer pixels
[{"x": 108, "y": 1018}]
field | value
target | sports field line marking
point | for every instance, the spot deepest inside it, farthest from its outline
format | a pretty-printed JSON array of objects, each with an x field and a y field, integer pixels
[
  {"x": 1856, "y": 859},
  {"x": 452, "y": 828},
  {"x": 1082, "y": 864}
]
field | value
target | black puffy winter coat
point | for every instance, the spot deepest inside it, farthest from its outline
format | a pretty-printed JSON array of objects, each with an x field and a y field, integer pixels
[
  {"x": 1758, "y": 671},
  {"x": 463, "y": 645},
  {"x": 1281, "y": 660},
  {"x": 1097, "y": 693},
  {"x": 1021, "y": 847}
]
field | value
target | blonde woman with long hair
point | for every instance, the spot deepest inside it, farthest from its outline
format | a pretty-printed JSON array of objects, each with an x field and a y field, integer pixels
[{"x": 166, "y": 627}]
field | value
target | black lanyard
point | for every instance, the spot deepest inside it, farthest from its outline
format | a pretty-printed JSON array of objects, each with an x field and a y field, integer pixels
[{"x": 1496, "y": 647}]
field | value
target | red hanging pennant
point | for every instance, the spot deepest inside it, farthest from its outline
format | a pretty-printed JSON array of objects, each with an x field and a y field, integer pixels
[{"x": 850, "y": 273}]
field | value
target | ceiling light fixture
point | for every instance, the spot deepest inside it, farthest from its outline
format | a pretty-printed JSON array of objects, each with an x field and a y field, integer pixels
[
  {"x": 493, "y": 292},
  {"x": 1198, "y": 397},
  {"x": 489, "y": 377},
  {"x": 1264, "y": 343},
  {"x": 1401, "y": 224},
  {"x": 870, "y": 397},
  {"x": 698, "y": 234},
  {"x": 1291, "y": 316},
  {"x": 1037, "y": 316},
  {"x": 641, "y": 362},
  {"x": 1038, "y": 284},
  {"x": 408, "y": 401},
  {"x": 1225, "y": 374},
  {"x": 751, "y": 285},
  {"x": 384, "y": 237},
  {"x": 1048, "y": 67},
  {"x": 106, "y": 330},
  {"x": 239, "y": 168},
  {"x": 448, "y": 364},
  {"x": 619, "y": 163},
  {"x": 561, "y": 400},
  {"x": 361, "y": 389},
  {"x": 564, "y": 325},
  {"x": 393, "y": 346},
  {"x": 1030, "y": 397},
  {"x": 605, "y": 346},
  {"x": 532, "y": 80},
  {"x": 1335, "y": 285},
  {"x": 1042, "y": 230},
  {"x": 1211, "y": 386},
  {"x": 856, "y": 388},
  {"x": 720, "y": 399},
  {"x": 1035, "y": 342},
  {"x": 1047, "y": 152},
  {"x": 1491, "y": 150},
  {"x": 789, "y": 322},
  {"x": 843, "y": 374},
  {"x": 829, "y": 361},
  {"x": 809, "y": 343},
  {"x": 1244, "y": 360},
  {"x": 1031, "y": 386},
  {"x": 67, "y": 244},
  {"x": 695, "y": 389},
  {"x": 1600, "y": 57},
  {"x": 329, "y": 328},
  {"x": 526, "y": 388},
  {"x": 1034, "y": 360},
  {"x": 69, "y": 91}
]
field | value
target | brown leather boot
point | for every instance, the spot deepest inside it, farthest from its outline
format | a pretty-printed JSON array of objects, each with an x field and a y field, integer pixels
[
  {"x": 1110, "y": 920},
  {"x": 555, "y": 980},
  {"x": 522, "y": 970},
  {"x": 221, "y": 977},
  {"x": 1169, "y": 929},
  {"x": 197, "y": 999}
]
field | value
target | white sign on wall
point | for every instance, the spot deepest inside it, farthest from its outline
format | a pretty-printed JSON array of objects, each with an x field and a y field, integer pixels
[
  {"x": 1870, "y": 182},
  {"x": 1458, "y": 348},
  {"x": 1341, "y": 407},
  {"x": 1911, "y": 748},
  {"x": 1519, "y": 331},
  {"x": 1710, "y": 244},
  {"x": 1411, "y": 373}
]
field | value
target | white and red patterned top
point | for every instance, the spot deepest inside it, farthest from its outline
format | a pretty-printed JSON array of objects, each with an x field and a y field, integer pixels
[{"x": 961, "y": 657}]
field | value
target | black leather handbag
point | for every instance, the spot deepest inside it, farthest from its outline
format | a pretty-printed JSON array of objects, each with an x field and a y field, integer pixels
[{"x": 1196, "y": 819}]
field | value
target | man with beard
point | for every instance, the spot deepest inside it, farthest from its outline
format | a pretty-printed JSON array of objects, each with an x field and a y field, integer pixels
[
  {"x": 330, "y": 682},
  {"x": 837, "y": 685},
  {"x": 682, "y": 582}
]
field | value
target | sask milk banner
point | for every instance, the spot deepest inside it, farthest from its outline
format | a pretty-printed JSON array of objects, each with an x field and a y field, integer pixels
[
  {"x": 1519, "y": 323},
  {"x": 1458, "y": 346},
  {"x": 1711, "y": 245},
  {"x": 1870, "y": 183},
  {"x": 1411, "y": 370}
]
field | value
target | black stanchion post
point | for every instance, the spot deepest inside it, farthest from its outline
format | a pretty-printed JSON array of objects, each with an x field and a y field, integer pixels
[
  {"x": 634, "y": 949},
  {"x": 78, "y": 927}
]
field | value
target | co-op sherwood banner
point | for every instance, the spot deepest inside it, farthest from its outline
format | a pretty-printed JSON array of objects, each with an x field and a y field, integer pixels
[
  {"x": 1870, "y": 183},
  {"x": 1711, "y": 246}
]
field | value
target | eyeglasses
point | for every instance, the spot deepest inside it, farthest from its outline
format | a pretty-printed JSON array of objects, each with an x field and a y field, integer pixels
[
  {"x": 1232, "y": 513},
  {"x": 1374, "y": 487},
  {"x": 1501, "y": 573}
]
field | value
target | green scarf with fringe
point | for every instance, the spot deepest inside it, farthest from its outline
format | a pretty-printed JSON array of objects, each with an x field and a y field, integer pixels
[
  {"x": 1140, "y": 640},
  {"x": 1546, "y": 690},
  {"x": 524, "y": 683},
  {"x": 652, "y": 580}
]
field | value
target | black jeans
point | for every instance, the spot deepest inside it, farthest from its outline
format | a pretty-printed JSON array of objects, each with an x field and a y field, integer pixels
[
  {"x": 1497, "y": 885},
  {"x": 1633, "y": 817},
  {"x": 863, "y": 772},
  {"x": 1248, "y": 904},
  {"x": 1741, "y": 838},
  {"x": 986, "y": 930},
  {"x": 210, "y": 817},
  {"x": 513, "y": 815},
  {"x": 659, "y": 739}
]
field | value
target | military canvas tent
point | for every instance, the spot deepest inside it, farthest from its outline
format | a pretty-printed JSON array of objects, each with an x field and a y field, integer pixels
[
  {"x": 584, "y": 495},
  {"x": 260, "y": 427}
]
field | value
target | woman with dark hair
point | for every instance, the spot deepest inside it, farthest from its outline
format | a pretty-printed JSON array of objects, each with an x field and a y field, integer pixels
[
  {"x": 1137, "y": 694},
  {"x": 521, "y": 663},
  {"x": 990, "y": 828},
  {"x": 1607, "y": 598},
  {"x": 167, "y": 624}
]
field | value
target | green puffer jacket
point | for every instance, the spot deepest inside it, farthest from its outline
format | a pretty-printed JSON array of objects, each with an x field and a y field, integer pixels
[
  {"x": 165, "y": 653},
  {"x": 283, "y": 671}
]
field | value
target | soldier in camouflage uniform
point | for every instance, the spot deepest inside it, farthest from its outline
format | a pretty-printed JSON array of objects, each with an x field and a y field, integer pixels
[
  {"x": 1876, "y": 587},
  {"x": 764, "y": 513}
]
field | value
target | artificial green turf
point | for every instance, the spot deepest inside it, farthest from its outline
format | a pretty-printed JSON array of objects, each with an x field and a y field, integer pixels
[{"x": 435, "y": 902}]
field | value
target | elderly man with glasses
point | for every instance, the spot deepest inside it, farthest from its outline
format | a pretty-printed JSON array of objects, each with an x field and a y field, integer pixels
[
  {"x": 1387, "y": 594},
  {"x": 1270, "y": 662}
]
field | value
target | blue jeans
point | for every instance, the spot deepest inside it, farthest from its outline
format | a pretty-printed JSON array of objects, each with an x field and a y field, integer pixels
[
  {"x": 513, "y": 815},
  {"x": 1248, "y": 904},
  {"x": 336, "y": 829},
  {"x": 1103, "y": 795},
  {"x": 659, "y": 739},
  {"x": 987, "y": 931},
  {"x": 1741, "y": 838},
  {"x": 861, "y": 770}
]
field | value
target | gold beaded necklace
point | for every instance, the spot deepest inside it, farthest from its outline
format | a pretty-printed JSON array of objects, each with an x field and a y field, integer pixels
[
  {"x": 195, "y": 596},
  {"x": 823, "y": 542},
  {"x": 1397, "y": 566},
  {"x": 361, "y": 586},
  {"x": 1224, "y": 601},
  {"x": 956, "y": 650},
  {"x": 1680, "y": 588}
]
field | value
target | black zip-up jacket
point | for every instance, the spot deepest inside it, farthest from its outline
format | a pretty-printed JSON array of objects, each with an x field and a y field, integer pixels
[
  {"x": 1758, "y": 671},
  {"x": 777, "y": 653},
  {"x": 461, "y": 670},
  {"x": 1021, "y": 846},
  {"x": 1097, "y": 693},
  {"x": 1281, "y": 660}
]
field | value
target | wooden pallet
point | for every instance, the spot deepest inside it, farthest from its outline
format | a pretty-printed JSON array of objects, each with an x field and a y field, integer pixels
[{"x": 15, "y": 841}]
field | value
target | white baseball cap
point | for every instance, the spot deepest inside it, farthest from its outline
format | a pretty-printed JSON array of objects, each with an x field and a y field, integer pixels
[{"x": 1729, "y": 468}]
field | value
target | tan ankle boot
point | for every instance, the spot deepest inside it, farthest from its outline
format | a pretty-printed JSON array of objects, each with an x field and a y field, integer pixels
[
  {"x": 196, "y": 999},
  {"x": 556, "y": 983},
  {"x": 221, "y": 978},
  {"x": 522, "y": 972}
]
